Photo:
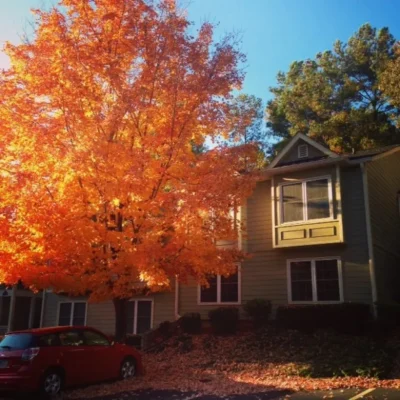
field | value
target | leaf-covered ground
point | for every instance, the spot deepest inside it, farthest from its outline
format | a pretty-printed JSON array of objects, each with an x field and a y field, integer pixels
[{"x": 264, "y": 361}]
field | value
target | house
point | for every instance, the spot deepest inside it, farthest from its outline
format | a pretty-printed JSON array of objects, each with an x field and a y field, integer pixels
[{"x": 321, "y": 228}]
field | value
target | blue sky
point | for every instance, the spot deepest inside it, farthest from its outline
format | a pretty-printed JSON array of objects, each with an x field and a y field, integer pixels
[{"x": 275, "y": 32}]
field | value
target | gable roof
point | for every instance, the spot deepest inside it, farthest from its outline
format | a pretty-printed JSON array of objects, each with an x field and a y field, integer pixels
[{"x": 301, "y": 137}]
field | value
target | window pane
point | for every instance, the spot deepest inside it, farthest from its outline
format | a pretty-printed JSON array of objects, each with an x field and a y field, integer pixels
[
  {"x": 209, "y": 294},
  {"x": 318, "y": 199},
  {"x": 130, "y": 317},
  {"x": 49, "y": 340},
  {"x": 64, "y": 317},
  {"x": 95, "y": 339},
  {"x": 327, "y": 280},
  {"x": 79, "y": 314},
  {"x": 71, "y": 338},
  {"x": 230, "y": 288},
  {"x": 301, "y": 281},
  {"x": 143, "y": 317},
  {"x": 17, "y": 341},
  {"x": 5, "y": 310},
  {"x": 292, "y": 198}
]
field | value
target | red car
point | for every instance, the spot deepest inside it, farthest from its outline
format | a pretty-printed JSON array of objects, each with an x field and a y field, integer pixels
[{"x": 48, "y": 359}]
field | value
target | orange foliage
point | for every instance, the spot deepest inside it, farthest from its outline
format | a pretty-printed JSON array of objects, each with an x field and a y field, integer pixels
[{"x": 100, "y": 186}]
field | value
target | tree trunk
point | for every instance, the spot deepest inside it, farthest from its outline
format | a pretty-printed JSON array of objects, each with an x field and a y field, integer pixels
[{"x": 120, "y": 306}]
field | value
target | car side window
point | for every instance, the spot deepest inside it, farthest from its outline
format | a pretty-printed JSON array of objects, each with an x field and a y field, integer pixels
[
  {"x": 71, "y": 338},
  {"x": 48, "y": 340},
  {"x": 95, "y": 339}
]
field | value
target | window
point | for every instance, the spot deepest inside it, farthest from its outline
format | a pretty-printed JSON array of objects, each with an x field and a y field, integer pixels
[
  {"x": 139, "y": 316},
  {"x": 92, "y": 338},
  {"x": 71, "y": 338},
  {"x": 307, "y": 200},
  {"x": 72, "y": 313},
  {"x": 302, "y": 151},
  {"x": 312, "y": 281},
  {"x": 221, "y": 290}
]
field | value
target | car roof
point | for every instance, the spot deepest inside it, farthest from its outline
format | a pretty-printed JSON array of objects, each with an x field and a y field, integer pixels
[{"x": 51, "y": 329}]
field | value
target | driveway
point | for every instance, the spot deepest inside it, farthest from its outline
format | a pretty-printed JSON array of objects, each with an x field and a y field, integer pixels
[{"x": 348, "y": 394}]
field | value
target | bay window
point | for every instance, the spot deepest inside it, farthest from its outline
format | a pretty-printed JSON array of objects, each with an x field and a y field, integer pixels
[{"x": 306, "y": 200}]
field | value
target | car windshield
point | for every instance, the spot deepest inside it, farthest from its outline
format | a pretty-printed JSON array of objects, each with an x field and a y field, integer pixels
[{"x": 16, "y": 341}]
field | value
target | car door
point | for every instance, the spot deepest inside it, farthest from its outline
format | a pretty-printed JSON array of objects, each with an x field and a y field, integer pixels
[
  {"x": 73, "y": 358},
  {"x": 100, "y": 356}
]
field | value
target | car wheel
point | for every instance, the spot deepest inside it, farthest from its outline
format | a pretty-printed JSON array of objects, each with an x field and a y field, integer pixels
[
  {"x": 52, "y": 383},
  {"x": 128, "y": 368}
]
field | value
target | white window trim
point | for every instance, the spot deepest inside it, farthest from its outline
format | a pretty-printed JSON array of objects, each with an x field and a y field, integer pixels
[
  {"x": 314, "y": 280},
  {"x": 304, "y": 146},
  {"x": 71, "y": 317},
  {"x": 305, "y": 219},
  {"x": 136, "y": 300},
  {"x": 219, "y": 302}
]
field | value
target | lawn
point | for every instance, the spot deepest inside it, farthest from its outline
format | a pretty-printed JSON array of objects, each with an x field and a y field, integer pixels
[{"x": 254, "y": 362}]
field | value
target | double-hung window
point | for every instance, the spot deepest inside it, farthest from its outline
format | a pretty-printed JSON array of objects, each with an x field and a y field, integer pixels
[
  {"x": 139, "y": 316},
  {"x": 310, "y": 199},
  {"x": 314, "y": 281},
  {"x": 221, "y": 289},
  {"x": 72, "y": 313}
]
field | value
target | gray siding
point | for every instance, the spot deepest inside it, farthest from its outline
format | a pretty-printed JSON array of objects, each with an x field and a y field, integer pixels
[
  {"x": 292, "y": 155},
  {"x": 383, "y": 177},
  {"x": 264, "y": 274},
  {"x": 102, "y": 315}
]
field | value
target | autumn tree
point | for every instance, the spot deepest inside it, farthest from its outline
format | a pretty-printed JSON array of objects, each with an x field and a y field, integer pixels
[
  {"x": 100, "y": 115},
  {"x": 336, "y": 97}
]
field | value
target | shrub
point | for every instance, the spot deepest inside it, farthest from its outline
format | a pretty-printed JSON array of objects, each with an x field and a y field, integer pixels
[
  {"x": 134, "y": 340},
  {"x": 224, "y": 320},
  {"x": 191, "y": 323},
  {"x": 165, "y": 329},
  {"x": 351, "y": 318},
  {"x": 389, "y": 314},
  {"x": 258, "y": 311}
]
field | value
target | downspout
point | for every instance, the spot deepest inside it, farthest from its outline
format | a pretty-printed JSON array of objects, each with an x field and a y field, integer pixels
[
  {"x": 42, "y": 310},
  {"x": 177, "y": 316},
  {"x": 372, "y": 271}
]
